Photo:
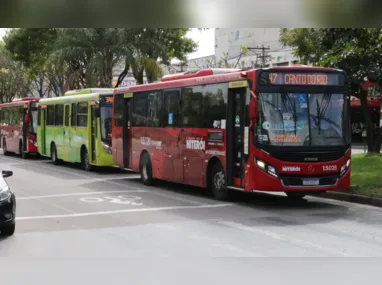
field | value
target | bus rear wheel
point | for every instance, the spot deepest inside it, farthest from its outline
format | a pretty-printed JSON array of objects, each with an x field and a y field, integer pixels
[
  {"x": 5, "y": 151},
  {"x": 145, "y": 170},
  {"x": 85, "y": 163},
  {"x": 21, "y": 151},
  {"x": 53, "y": 155},
  {"x": 218, "y": 183}
]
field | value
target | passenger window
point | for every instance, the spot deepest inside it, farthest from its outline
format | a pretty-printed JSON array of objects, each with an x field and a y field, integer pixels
[
  {"x": 154, "y": 109},
  {"x": 140, "y": 105},
  {"x": 50, "y": 115},
  {"x": 192, "y": 107},
  {"x": 82, "y": 114},
  {"x": 171, "y": 108},
  {"x": 215, "y": 104},
  {"x": 118, "y": 109},
  {"x": 73, "y": 123},
  {"x": 59, "y": 115},
  {"x": 67, "y": 115}
]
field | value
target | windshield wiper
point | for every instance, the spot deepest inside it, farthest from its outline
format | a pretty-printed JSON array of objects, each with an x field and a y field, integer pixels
[{"x": 321, "y": 110}]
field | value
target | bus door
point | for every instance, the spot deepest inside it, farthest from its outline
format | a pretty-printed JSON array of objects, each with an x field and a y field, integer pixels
[
  {"x": 126, "y": 130},
  {"x": 43, "y": 130},
  {"x": 93, "y": 132},
  {"x": 236, "y": 118},
  {"x": 27, "y": 119},
  {"x": 67, "y": 135}
]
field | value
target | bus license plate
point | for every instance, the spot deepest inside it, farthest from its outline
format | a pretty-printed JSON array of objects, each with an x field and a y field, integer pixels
[{"x": 311, "y": 182}]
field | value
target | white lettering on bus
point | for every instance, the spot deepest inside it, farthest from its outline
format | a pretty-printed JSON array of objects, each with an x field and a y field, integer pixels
[
  {"x": 148, "y": 142},
  {"x": 215, "y": 152},
  {"x": 197, "y": 144},
  {"x": 291, "y": 168}
]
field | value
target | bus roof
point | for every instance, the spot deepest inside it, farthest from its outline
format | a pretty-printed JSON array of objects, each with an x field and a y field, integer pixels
[
  {"x": 74, "y": 98},
  {"x": 19, "y": 102},
  {"x": 210, "y": 75},
  {"x": 88, "y": 91}
]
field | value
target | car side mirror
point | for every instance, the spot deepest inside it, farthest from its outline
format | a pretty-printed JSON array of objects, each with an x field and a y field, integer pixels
[{"x": 7, "y": 173}]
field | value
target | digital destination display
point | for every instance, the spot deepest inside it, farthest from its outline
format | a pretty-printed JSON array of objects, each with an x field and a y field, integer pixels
[{"x": 301, "y": 78}]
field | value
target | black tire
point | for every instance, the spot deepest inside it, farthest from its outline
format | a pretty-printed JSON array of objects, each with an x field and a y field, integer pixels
[
  {"x": 53, "y": 155},
  {"x": 146, "y": 170},
  {"x": 295, "y": 195},
  {"x": 23, "y": 155},
  {"x": 5, "y": 151},
  {"x": 85, "y": 162},
  {"x": 218, "y": 183},
  {"x": 8, "y": 230}
]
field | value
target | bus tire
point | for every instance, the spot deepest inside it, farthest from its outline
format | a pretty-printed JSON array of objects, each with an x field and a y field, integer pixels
[
  {"x": 8, "y": 230},
  {"x": 218, "y": 183},
  {"x": 5, "y": 151},
  {"x": 53, "y": 155},
  {"x": 146, "y": 170},
  {"x": 23, "y": 155},
  {"x": 85, "y": 162}
]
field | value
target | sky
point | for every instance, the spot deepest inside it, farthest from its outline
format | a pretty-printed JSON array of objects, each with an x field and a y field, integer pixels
[{"x": 205, "y": 39}]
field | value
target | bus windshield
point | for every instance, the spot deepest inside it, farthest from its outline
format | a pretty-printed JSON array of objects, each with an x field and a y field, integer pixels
[
  {"x": 106, "y": 115},
  {"x": 33, "y": 123},
  {"x": 302, "y": 119}
]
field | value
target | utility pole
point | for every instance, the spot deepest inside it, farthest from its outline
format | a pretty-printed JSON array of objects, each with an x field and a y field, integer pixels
[{"x": 263, "y": 56}]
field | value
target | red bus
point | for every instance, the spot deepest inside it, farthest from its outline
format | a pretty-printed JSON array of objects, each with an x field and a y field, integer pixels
[
  {"x": 278, "y": 129},
  {"x": 18, "y": 125}
]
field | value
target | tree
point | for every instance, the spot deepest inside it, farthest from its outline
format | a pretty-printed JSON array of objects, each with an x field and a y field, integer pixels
[
  {"x": 147, "y": 48},
  {"x": 13, "y": 82},
  {"x": 356, "y": 51}
]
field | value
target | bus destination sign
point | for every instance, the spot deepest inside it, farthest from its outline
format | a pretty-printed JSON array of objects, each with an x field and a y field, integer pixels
[{"x": 302, "y": 78}]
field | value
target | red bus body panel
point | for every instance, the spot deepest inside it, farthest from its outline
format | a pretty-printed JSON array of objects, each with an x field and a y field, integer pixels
[
  {"x": 172, "y": 161},
  {"x": 13, "y": 134}
]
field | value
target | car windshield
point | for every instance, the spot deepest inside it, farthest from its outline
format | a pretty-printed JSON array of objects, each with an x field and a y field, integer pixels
[
  {"x": 302, "y": 119},
  {"x": 106, "y": 115}
]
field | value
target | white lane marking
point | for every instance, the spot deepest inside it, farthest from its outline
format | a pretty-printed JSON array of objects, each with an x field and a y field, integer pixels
[
  {"x": 283, "y": 238},
  {"x": 121, "y": 211},
  {"x": 79, "y": 194},
  {"x": 162, "y": 194}
]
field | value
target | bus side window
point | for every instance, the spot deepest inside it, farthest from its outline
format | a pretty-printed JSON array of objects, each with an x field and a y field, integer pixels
[
  {"x": 140, "y": 109},
  {"x": 171, "y": 108},
  {"x": 39, "y": 116},
  {"x": 66, "y": 115},
  {"x": 192, "y": 107},
  {"x": 154, "y": 109},
  {"x": 73, "y": 122},
  {"x": 59, "y": 113},
  {"x": 82, "y": 114},
  {"x": 50, "y": 115}
]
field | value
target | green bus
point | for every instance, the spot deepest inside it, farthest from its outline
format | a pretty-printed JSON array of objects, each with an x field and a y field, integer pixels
[{"x": 76, "y": 127}]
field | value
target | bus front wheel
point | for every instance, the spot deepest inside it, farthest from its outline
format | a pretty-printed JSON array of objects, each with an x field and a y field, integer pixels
[
  {"x": 53, "y": 155},
  {"x": 218, "y": 183},
  {"x": 145, "y": 170}
]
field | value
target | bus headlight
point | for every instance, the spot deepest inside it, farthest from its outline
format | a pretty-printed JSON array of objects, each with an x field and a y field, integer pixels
[
  {"x": 267, "y": 168},
  {"x": 106, "y": 148},
  {"x": 345, "y": 167}
]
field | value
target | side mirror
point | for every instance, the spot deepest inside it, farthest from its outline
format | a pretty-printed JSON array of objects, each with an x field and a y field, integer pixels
[
  {"x": 97, "y": 113},
  {"x": 7, "y": 173}
]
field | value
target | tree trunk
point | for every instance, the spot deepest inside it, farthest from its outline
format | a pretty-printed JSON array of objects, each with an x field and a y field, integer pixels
[
  {"x": 373, "y": 134},
  {"x": 122, "y": 76}
]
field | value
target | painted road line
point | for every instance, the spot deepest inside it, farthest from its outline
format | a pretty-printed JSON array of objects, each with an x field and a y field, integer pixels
[
  {"x": 79, "y": 194},
  {"x": 161, "y": 194},
  {"x": 77, "y": 215}
]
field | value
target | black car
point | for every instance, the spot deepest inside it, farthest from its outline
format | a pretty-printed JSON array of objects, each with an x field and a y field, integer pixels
[{"x": 7, "y": 206}]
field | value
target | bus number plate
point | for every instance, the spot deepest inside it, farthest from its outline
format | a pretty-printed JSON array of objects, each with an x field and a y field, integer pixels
[{"x": 311, "y": 182}]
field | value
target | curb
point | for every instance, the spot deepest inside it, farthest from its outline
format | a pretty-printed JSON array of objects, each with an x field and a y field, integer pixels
[{"x": 353, "y": 198}]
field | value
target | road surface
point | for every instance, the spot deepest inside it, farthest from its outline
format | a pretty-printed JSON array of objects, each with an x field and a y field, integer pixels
[{"x": 63, "y": 211}]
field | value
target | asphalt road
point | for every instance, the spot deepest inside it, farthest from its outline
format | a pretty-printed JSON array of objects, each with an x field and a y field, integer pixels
[{"x": 63, "y": 211}]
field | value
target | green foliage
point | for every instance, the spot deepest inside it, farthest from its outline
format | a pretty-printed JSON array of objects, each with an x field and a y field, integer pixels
[
  {"x": 356, "y": 51},
  {"x": 13, "y": 80}
]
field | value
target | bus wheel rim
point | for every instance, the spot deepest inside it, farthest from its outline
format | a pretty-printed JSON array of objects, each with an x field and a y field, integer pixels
[{"x": 219, "y": 181}]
